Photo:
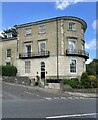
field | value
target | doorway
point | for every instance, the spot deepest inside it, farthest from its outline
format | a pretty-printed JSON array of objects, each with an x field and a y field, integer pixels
[{"x": 43, "y": 72}]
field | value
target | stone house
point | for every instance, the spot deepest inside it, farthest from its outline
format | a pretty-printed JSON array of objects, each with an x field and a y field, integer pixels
[
  {"x": 8, "y": 48},
  {"x": 50, "y": 49}
]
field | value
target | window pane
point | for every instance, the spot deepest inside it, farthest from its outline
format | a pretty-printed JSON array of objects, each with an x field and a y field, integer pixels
[
  {"x": 27, "y": 49},
  {"x": 28, "y": 31},
  {"x": 72, "y": 45},
  {"x": 82, "y": 46},
  {"x": 27, "y": 66},
  {"x": 42, "y": 29},
  {"x": 72, "y": 26},
  {"x": 42, "y": 48},
  {"x": 73, "y": 66},
  {"x": 42, "y": 67},
  {"x": 8, "y": 54}
]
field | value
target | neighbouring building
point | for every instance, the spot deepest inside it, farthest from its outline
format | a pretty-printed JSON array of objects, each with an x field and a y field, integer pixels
[
  {"x": 50, "y": 49},
  {"x": 8, "y": 48}
]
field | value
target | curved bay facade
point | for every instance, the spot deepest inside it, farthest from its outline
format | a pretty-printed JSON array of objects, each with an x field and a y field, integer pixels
[{"x": 52, "y": 48}]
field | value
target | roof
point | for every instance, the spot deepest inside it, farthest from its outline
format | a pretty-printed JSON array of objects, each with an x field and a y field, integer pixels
[
  {"x": 54, "y": 19},
  {"x": 7, "y": 39}
]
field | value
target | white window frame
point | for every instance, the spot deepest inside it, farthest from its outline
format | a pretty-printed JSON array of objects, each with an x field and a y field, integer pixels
[
  {"x": 8, "y": 55},
  {"x": 75, "y": 66},
  {"x": 72, "y": 40},
  {"x": 27, "y": 67},
  {"x": 41, "y": 29},
  {"x": 39, "y": 48},
  {"x": 72, "y": 25},
  {"x": 25, "y": 48},
  {"x": 84, "y": 66},
  {"x": 83, "y": 46},
  {"x": 28, "y": 31}
]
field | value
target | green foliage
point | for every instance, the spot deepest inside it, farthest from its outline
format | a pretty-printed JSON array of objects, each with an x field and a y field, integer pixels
[
  {"x": 93, "y": 81},
  {"x": 9, "y": 70},
  {"x": 92, "y": 78},
  {"x": 0, "y": 70},
  {"x": 92, "y": 68},
  {"x": 11, "y": 30},
  {"x": 85, "y": 80},
  {"x": 74, "y": 82}
]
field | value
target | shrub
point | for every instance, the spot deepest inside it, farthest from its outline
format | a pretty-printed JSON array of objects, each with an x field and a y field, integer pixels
[
  {"x": 75, "y": 79},
  {"x": 9, "y": 70},
  {"x": 85, "y": 80},
  {"x": 0, "y": 70},
  {"x": 92, "y": 78},
  {"x": 93, "y": 81},
  {"x": 74, "y": 82},
  {"x": 97, "y": 80}
]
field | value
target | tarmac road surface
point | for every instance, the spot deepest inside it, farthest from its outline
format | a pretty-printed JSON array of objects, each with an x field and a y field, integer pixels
[{"x": 32, "y": 102}]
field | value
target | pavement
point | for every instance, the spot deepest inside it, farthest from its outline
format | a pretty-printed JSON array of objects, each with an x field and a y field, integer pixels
[
  {"x": 58, "y": 91},
  {"x": 85, "y": 95},
  {"x": 35, "y": 102},
  {"x": 73, "y": 94}
]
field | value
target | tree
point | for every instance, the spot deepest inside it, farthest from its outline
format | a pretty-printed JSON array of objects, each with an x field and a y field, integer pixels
[
  {"x": 92, "y": 68},
  {"x": 93, "y": 81},
  {"x": 11, "y": 30}
]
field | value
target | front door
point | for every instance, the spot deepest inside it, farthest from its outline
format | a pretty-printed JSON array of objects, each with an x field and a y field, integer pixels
[{"x": 43, "y": 72}]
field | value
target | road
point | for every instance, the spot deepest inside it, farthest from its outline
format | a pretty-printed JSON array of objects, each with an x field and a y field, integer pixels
[{"x": 32, "y": 102}]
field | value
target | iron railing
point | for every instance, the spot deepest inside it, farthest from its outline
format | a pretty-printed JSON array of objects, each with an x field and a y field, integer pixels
[
  {"x": 77, "y": 52},
  {"x": 34, "y": 54}
]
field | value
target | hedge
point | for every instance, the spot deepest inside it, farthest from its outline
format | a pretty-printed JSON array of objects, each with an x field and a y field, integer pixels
[{"x": 8, "y": 70}]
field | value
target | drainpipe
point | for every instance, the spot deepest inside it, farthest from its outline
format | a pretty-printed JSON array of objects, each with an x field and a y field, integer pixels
[{"x": 57, "y": 48}]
